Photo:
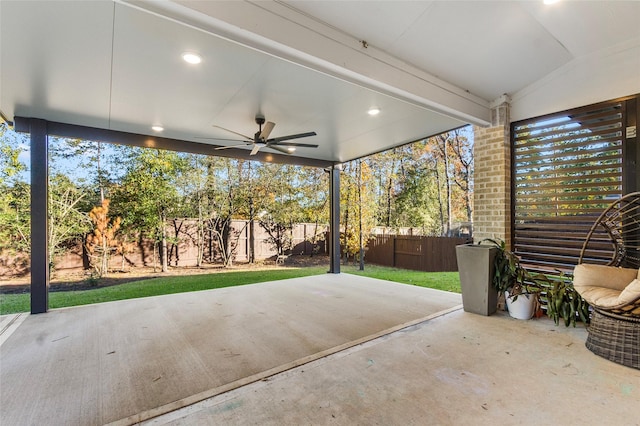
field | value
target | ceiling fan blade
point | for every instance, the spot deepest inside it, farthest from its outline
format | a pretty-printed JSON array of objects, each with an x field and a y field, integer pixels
[
  {"x": 218, "y": 139},
  {"x": 230, "y": 146},
  {"x": 266, "y": 130},
  {"x": 286, "y": 138},
  {"x": 304, "y": 145},
  {"x": 235, "y": 133},
  {"x": 256, "y": 148},
  {"x": 277, "y": 148}
]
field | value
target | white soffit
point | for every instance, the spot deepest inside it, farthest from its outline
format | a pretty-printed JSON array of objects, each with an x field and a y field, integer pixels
[
  {"x": 113, "y": 66},
  {"x": 50, "y": 67},
  {"x": 276, "y": 28}
]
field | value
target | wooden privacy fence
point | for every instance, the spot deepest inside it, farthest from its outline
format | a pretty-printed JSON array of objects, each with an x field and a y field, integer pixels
[{"x": 428, "y": 254}]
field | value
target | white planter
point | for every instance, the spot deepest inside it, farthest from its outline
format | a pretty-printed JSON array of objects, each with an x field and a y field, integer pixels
[{"x": 521, "y": 308}]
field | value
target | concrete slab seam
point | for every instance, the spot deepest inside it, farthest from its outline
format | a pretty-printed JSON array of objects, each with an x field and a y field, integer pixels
[{"x": 11, "y": 326}]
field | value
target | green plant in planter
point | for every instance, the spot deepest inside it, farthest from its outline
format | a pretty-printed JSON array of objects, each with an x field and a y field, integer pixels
[
  {"x": 563, "y": 301},
  {"x": 510, "y": 275}
]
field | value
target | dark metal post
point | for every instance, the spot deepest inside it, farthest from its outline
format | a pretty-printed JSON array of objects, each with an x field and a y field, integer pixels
[
  {"x": 334, "y": 219},
  {"x": 39, "y": 219}
]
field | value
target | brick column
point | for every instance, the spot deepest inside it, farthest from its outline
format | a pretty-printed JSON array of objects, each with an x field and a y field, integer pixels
[{"x": 492, "y": 176}]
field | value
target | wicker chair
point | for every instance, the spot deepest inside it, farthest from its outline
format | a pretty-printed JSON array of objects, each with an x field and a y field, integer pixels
[{"x": 608, "y": 278}]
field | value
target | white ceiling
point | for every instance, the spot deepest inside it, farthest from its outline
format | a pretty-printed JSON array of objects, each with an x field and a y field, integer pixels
[{"x": 429, "y": 65}]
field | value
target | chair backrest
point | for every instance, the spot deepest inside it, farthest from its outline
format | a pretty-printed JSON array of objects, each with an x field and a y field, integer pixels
[{"x": 614, "y": 239}]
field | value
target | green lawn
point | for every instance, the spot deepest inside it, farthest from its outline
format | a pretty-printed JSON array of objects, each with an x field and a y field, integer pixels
[
  {"x": 12, "y": 303},
  {"x": 447, "y": 281}
]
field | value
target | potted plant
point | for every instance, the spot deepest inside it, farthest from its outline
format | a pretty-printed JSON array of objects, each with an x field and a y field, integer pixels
[
  {"x": 563, "y": 301},
  {"x": 520, "y": 288}
]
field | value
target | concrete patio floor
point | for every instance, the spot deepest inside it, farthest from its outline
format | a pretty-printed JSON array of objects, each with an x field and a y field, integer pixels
[
  {"x": 335, "y": 349},
  {"x": 453, "y": 369},
  {"x": 131, "y": 360}
]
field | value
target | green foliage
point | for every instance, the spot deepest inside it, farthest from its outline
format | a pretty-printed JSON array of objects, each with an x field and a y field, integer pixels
[
  {"x": 15, "y": 219},
  {"x": 417, "y": 203},
  {"x": 147, "y": 193},
  {"x": 357, "y": 205},
  {"x": 401, "y": 187},
  {"x": 563, "y": 301},
  {"x": 426, "y": 185},
  {"x": 509, "y": 274},
  {"x": 11, "y": 146},
  {"x": 67, "y": 221},
  {"x": 14, "y": 194}
]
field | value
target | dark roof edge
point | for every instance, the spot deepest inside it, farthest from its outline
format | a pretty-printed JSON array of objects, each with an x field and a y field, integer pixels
[{"x": 65, "y": 130}]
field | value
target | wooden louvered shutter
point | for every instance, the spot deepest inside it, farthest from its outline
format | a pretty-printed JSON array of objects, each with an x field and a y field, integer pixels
[{"x": 567, "y": 168}]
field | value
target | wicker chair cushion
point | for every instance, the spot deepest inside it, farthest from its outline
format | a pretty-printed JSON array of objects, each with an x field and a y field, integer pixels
[
  {"x": 601, "y": 276},
  {"x": 606, "y": 298},
  {"x": 607, "y": 287},
  {"x": 601, "y": 297},
  {"x": 631, "y": 293}
]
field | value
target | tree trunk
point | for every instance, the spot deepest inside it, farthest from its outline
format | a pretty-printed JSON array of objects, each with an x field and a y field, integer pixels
[
  {"x": 155, "y": 254},
  {"x": 440, "y": 206},
  {"x": 163, "y": 253},
  {"x": 104, "y": 261},
  {"x": 448, "y": 183},
  {"x": 200, "y": 235},
  {"x": 360, "y": 213},
  {"x": 346, "y": 229},
  {"x": 252, "y": 255}
]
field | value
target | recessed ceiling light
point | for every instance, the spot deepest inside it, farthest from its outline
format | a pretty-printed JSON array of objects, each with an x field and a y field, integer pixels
[
  {"x": 192, "y": 58},
  {"x": 157, "y": 128},
  {"x": 291, "y": 149},
  {"x": 374, "y": 111},
  {"x": 550, "y": 1}
]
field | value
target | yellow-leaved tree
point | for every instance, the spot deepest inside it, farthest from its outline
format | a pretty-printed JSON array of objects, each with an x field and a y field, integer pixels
[{"x": 102, "y": 241}]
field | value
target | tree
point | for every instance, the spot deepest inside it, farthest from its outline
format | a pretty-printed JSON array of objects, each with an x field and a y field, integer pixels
[
  {"x": 314, "y": 201},
  {"x": 417, "y": 202},
  {"x": 193, "y": 189},
  {"x": 280, "y": 206},
  {"x": 251, "y": 191},
  {"x": 147, "y": 194},
  {"x": 101, "y": 242},
  {"x": 67, "y": 156},
  {"x": 456, "y": 152},
  {"x": 67, "y": 222},
  {"x": 462, "y": 150},
  {"x": 14, "y": 194},
  {"x": 357, "y": 206}
]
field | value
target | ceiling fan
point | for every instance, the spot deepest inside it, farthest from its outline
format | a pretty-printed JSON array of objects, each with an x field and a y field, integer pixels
[{"x": 261, "y": 139}]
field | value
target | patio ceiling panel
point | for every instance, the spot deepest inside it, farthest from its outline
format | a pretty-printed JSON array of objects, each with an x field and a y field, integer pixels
[
  {"x": 449, "y": 39},
  {"x": 118, "y": 66},
  {"x": 489, "y": 47},
  {"x": 55, "y": 60},
  {"x": 515, "y": 51},
  {"x": 585, "y": 27},
  {"x": 152, "y": 84}
]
